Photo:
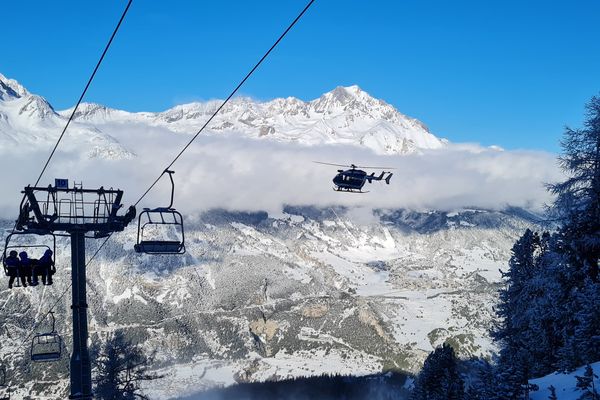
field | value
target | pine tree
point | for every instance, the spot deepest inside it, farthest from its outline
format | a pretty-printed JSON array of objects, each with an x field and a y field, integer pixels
[
  {"x": 483, "y": 385},
  {"x": 439, "y": 379},
  {"x": 583, "y": 345},
  {"x": 526, "y": 329},
  {"x": 512, "y": 376},
  {"x": 578, "y": 205},
  {"x": 586, "y": 384},
  {"x": 578, "y": 198},
  {"x": 552, "y": 390},
  {"x": 548, "y": 310},
  {"x": 514, "y": 296},
  {"x": 120, "y": 367}
]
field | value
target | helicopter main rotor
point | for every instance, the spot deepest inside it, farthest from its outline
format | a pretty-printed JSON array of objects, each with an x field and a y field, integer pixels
[{"x": 352, "y": 165}]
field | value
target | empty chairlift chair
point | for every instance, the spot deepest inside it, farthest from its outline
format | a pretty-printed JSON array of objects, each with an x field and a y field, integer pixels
[
  {"x": 156, "y": 223},
  {"x": 46, "y": 346}
]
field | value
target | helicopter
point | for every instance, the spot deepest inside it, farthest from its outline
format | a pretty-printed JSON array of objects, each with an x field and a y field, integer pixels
[{"x": 353, "y": 179}]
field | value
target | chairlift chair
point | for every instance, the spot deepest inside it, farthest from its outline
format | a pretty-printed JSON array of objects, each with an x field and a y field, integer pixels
[
  {"x": 46, "y": 347},
  {"x": 160, "y": 217},
  {"x": 12, "y": 243}
]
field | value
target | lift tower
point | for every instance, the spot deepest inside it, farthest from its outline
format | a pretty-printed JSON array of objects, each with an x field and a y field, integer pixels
[{"x": 79, "y": 213}]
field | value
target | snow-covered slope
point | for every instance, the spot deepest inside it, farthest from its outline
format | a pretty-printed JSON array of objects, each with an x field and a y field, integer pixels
[
  {"x": 346, "y": 115},
  {"x": 29, "y": 123},
  {"x": 565, "y": 384}
]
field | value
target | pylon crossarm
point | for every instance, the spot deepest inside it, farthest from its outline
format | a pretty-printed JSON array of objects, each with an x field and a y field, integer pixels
[{"x": 59, "y": 210}]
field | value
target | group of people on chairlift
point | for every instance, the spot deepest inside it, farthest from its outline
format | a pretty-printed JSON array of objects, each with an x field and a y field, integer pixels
[{"x": 29, "y": 270}]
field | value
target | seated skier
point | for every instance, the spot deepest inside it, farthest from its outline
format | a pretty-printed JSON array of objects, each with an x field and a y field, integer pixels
[
  {"x": 25, "y": 267},
  {"x": 46, "y": 268},
  {"x": 13, "y": 269},
  {"x": 37, "y": 270}
]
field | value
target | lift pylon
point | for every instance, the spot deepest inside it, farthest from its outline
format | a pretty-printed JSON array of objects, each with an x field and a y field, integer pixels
[{"x": 77, "y": 212}]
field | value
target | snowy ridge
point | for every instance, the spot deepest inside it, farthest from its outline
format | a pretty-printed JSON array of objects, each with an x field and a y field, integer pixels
[
  {"x": 29, "y": 123},
  {"x": 346, "y": 115}
]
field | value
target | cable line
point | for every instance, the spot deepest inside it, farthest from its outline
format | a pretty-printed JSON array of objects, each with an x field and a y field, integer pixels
[
  {"x": 114, "y": 33},
  {"x": 180, "y": 153},
  {"x": 228, "y": 98},
  {"x": 84, "y": 91}
]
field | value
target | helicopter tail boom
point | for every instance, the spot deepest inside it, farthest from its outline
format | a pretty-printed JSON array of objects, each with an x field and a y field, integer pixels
[{"x": 372, "y": 177}]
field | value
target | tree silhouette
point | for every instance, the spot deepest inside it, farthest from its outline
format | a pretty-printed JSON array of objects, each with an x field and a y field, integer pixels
[{"x": 120, "y": 367}]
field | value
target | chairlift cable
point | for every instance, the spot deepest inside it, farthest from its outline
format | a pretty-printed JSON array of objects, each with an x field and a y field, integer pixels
[
  {"x": 84, "y": 91},
  {"x": 178, "y": 155},
  {"x": 228, "y": 98},
  {"x": 80, "y": 100}
]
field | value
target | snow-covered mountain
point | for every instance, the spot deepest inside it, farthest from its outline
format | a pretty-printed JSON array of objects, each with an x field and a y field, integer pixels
[
  {"x": 346, "y": 115},
  {"x": 29, "y": 123}
]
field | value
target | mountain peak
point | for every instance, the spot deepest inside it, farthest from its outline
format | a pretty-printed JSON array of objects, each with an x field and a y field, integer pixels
[
  {"x": 345, "y": 94},
  {"x": 11, "y": 88},
  {"x": 352, "y": 90},
  {"x": 343, "y": 98}
]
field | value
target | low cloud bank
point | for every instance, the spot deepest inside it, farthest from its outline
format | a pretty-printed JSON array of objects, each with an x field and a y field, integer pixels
[{"x": 231, "y": 172}]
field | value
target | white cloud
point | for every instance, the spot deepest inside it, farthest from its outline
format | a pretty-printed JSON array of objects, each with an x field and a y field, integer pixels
[{"x": 244, "y": 174}]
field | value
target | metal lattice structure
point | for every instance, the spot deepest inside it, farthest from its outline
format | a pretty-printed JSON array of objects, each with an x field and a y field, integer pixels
[
  {"x": 74, "y": 212},
  {"x": 66, "y": 209}
]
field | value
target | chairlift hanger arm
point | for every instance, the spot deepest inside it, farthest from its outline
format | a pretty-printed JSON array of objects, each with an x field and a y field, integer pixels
[{"x": 170, "y": 172}]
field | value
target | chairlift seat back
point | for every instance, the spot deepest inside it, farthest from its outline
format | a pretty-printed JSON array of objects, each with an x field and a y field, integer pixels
[
  {"x": 153, "y": 244},
  {"x": 46, "y": 347}
]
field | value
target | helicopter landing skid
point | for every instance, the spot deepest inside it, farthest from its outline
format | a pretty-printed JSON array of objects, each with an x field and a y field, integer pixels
[{"x": 349, "y": 191}]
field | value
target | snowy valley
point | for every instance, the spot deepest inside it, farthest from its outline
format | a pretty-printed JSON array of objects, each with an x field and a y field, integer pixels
[{"x": 304, "y": 293}]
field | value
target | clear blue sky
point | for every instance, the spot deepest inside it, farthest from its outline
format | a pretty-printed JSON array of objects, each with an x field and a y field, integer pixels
[{"x": 505, "y": 72}]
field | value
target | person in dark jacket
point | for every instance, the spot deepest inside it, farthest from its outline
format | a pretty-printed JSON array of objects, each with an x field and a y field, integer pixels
[
  {"x": 25, "y": 265},
  {"x": 13, "y": 268},
  {"x": 45, "y": 267},
  {"x": 37, "y": 270}
]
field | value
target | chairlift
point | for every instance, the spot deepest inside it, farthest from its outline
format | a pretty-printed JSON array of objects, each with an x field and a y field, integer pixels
[
  {"x": 34, "y": 250},
  {"x": 46, "y": 347},
  {"x": 150, "y": 219}
]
